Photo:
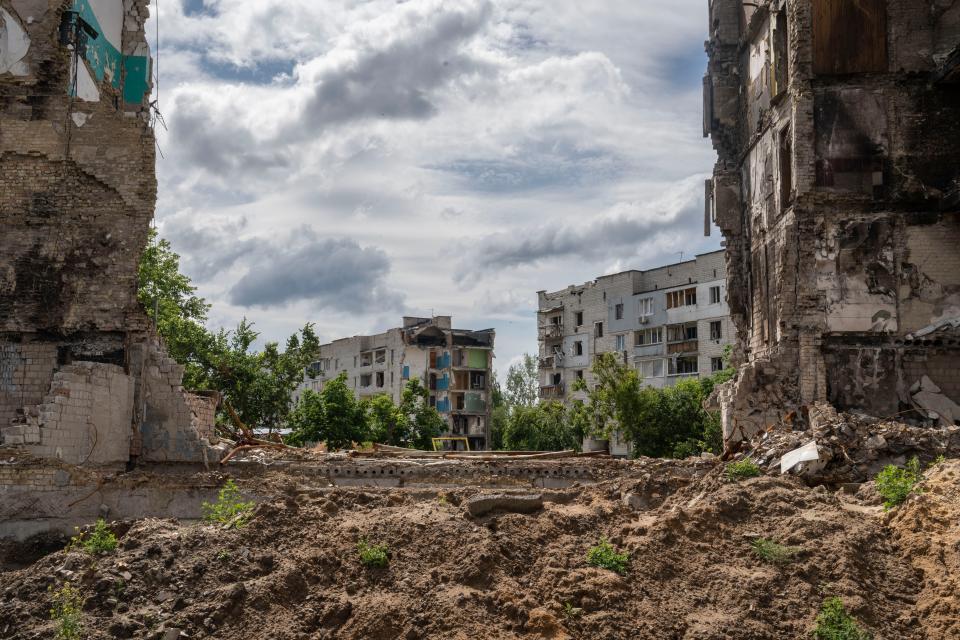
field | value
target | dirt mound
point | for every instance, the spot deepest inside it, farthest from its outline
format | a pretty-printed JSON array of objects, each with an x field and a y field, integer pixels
[{"x": 294, "y": 572}]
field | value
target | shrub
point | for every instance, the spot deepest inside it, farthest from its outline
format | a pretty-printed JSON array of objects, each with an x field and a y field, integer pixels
[
  {"x": 66, "y": 611},
  {"x": 895, "y": 484},
  {"x": 834, "y": 623},
  {"x": 372, "y": 555},
  {"x": 606, "y": 557},
  {"x": 100, "y": 541},
  {"x": 229, "y": 507},
  {"x": 772, "y": 552},
  {"x": 742, "y": 470}
]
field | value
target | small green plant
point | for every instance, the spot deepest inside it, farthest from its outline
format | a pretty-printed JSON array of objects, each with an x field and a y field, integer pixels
[
  {"x": 222, "y": 555},
  {"x": 100, "y": 541},
  {"x": 443, "y": 500},
  {"x": 372, "y": 555},
  {"x": 229, "y": 507},
  {"x": 940, "y": 459},
  {"x": 67, "y": 611},
  {"x": 571, "y": 612},
  {"x": 894, "y": 484},
  {"x": 834, "y": 623},
  {"x": 606, "y": 557},
  {"x": 772, "y": 552},
  {"x": 742, "y": 470}
]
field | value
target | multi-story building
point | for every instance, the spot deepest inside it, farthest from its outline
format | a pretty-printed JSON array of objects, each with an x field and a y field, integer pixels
[
  {"x": 837, "y": 190},
  {"x": 669, "y": 323},
  {"x": 456, "y": 365}
]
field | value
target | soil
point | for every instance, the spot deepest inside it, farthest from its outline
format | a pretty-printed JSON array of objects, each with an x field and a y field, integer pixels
[{"x": 293, "y": 572}]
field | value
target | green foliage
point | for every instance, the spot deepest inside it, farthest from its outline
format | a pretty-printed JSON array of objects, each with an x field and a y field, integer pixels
[
  {"x": 834, "y": 623},
  {"x": 499, "y": 418},
  {"x": 606, "y": 557},
  {"x": 372, "y": 555},
  {"x": 542, "y": 427},
  {"x": 425, "y": 422},
  {"x": 333, "y": 416},
  {"x": 100, "y": 541},
  {"x": 742, "y": 470},
  {"x": 895, "y": 483},
  {"x": 523, "y": 383},
  {"x": 67, "y": 611},
  {"x": 571, "y": 612},
  {"x": 773, "y": 553},
  {"x": 229, "y": 507}
]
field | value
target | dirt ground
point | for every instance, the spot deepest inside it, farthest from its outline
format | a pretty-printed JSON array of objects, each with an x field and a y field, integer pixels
[{"x": 294, "y": 572}]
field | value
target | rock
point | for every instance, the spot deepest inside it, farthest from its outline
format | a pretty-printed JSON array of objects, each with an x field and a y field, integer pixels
[
  {"x": 482, "y": 504},
  {"x": 172, "y": 634}
]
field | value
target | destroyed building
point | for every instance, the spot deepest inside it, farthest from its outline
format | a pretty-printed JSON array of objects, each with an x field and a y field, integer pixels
[
  {"x": 837, "y": 189},
  {"x": 83, "y": 378},
  {"x": 669, "y": 323},
  {"x": 455, "y": 365}
]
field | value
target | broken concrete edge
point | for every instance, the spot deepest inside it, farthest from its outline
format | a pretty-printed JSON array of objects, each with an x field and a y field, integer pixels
[{"x": 481, "y": 505}]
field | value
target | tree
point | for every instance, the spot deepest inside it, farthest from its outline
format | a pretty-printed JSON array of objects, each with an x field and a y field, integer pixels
[
  {"x": 523, "y": 383},
  {"x": 333, "y": 416},
  {"x": 542, "y": 427},
  {"x": 170, "y": 300},
  {"x": 426, "y": 422},
  {"x": 388, "y": 424}
]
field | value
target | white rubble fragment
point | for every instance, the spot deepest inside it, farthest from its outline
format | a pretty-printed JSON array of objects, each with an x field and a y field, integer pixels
[
  {"x": 14, "y": 43},
  {"x": 806, "y": 453}
]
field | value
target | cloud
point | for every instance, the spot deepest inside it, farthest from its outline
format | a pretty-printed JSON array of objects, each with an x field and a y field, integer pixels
[
  {"x": 330, "y": 273},
  {"x": 621, "y": 230}
]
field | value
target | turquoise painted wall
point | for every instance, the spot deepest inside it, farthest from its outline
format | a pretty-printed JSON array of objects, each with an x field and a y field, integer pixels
[{"x": 105, "y": 60}]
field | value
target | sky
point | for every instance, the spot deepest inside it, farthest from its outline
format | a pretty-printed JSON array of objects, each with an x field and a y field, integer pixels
[{"x": 349, "y": 162}]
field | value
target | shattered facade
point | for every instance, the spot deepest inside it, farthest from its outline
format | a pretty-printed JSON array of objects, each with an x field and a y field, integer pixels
[
  {"x": 837, "y": 188},
  {"x": 82, "y": 376},
  {"x": 455, "y": 365}
]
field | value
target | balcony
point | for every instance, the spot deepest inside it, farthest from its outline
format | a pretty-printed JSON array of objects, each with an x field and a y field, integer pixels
[
  {"x": 548, "y": 363},
  {"x": 683, "y": 346},
  {"x": 552, "y": 391},
  {"x": 550, "y": 331}
]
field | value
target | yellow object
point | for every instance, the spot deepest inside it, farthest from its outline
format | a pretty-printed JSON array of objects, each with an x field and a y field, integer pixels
[{"x": 437, "y": 442}]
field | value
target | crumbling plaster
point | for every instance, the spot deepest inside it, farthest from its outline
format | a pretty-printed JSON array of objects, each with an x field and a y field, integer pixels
[{"x": 837, "y": 197}]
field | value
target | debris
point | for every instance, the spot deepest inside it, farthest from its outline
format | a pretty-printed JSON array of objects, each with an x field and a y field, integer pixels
[
  {"x": 483, "y": 504},
  {"x": 806, "y": 453}
]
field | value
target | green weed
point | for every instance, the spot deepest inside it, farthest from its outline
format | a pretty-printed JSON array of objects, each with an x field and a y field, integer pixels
[
  {"x": 571, "y": 612},
  {"x": 67, "y": 611},
  {"x": 894, "y": 484},
  {"x": 606, "y": 557},
  {"x": 772, "y": 552},
  {"x": 742, "y": 470},
  {"x": 100, "y": 541},
  {"x": 372, "y": 555},
  {"x": 834, "y": 623},
  {"x": 229, "y": 507}
]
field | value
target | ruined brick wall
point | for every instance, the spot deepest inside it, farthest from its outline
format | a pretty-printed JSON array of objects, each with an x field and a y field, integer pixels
[
  {"x": 77, "y": 194},
  {"x": 837, "y": 188}
]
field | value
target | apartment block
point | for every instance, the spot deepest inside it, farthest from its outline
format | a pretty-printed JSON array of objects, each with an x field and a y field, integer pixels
[
  {"x": 669, "y": 323},
  {"x": 456, "y": 365},
  {"x": 837, "y": 190}
]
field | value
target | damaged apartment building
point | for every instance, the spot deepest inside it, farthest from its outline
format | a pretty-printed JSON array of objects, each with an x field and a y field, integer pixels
[
  {"x": 837, "y": 188},
  {"x": 83, "y": 379},
  {"x": 669, "y": 323},
  {"x": 455, "y": 365}
]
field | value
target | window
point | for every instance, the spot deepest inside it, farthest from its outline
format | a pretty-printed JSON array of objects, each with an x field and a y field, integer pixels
[
  {"x": 716, "y": 330},
  {"x": 715, "y": 295},
  {"x": 651, "y": 369},
  {"x": 557, "y": 320},
  {"x": 648, "y": 336},
  {"x": 645, "y": 306},
  {"x": 578, "y": 348},
  {"x": 779, "y": 71},
  {"x": 391, "y": 357},
  {"x": 685, "y": 297},
  {"x": 618, "y": 311},
  {"x": 682, "y": 366},
  {"x": 716, "y": 364},
  {"x": 598, "y": 329},
  {"x": 579, "y": 374},
  {"x": 690, "y": 333},
  {"x": 433, "y": 401},
  {"x": 620, "y": 342},
  {"x": 578, "y": 316},
  {"x": 556, "y": 379},
  {"x": 681, "y": 332},
  {"x": 380, "y": 378},
  {"x": 354, "y": 362},
  {"x": 849, "y": 37},
  {"x": 786, "y": 169},
  {"x": 366, "y": 380}
]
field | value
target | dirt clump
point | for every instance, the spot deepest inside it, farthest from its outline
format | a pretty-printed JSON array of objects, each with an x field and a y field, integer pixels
[{"x": 294, "y": 571}]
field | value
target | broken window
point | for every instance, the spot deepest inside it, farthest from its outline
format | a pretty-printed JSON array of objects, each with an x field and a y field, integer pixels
[
  {"x": 578, "y": 348},
  {"x": 716, "y": 364},
  {"x": 849, "y": 37},
  {"x": 715, "y": 295},
  {"x": 380, "y": 378},
  {"x": 691, "y": 332},
  {"x": 598, "y": 329},
  {"x": 618, "y": 311},
  {"x": 779, "y": 72},
  {"x": 579, "y": 374},
  {"x": 556, "y": 379},
  {"x": 366, "y": 380},
  {"x": 684, "y": 297},
  {"x": 716, "y": 330},
  {"x": 683, "y": 366},
  {"x": 786, "y": 169},
  {"x": 578, "y": 316},
  {"x": 620, "y": 343},
  {"x": 648, "y": 336}
]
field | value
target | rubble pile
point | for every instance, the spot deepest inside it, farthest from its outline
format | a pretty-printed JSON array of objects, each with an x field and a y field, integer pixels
[
  {"x": 466, "y": 562},
  {"x": 848, "y": 447}
]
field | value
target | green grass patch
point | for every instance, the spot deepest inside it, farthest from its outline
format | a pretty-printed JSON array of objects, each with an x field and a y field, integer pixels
[
  {"x": 772, "y": 552},
  {"x": 834, "y": 623},
  {"x": 67, "y": 612},
  {"x": 742, "y": 470},
  {"x": 229, "y": 507},
  {"x": 894, "y": 483},
  {"x": 606, "y": 557},
  {"x": 373, "y": 555}
]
